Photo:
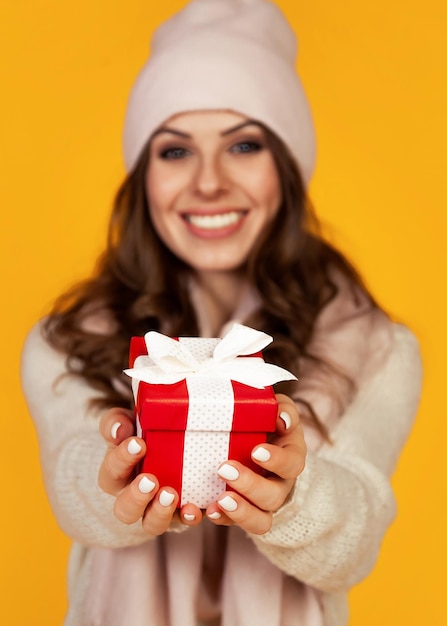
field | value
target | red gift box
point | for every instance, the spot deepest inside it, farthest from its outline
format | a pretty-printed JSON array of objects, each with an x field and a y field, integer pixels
[{"x": 193, "y": 425}]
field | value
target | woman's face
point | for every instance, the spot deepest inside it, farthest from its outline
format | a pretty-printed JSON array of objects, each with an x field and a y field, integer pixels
[{"x": 212, "y": 187}]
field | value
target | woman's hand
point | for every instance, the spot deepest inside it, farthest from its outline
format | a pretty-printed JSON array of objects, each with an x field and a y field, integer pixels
[
  {"x": 251, "y": 504},
  {"x": 138, "y": 496},
  {"x": 257, "y": 497}
]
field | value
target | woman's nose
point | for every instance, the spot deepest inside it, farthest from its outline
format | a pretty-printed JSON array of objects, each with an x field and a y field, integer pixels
[{"x": 210, "y": 179}]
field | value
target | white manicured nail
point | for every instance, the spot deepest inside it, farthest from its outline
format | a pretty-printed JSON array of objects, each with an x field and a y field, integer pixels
[
  {"x": 166, "y": 498},
  {"x": 114, "y": 429},
  {"x": 228, "y": 472},
  {"x": 133, "y": 447},
  {"x": 215, "y": 515},
  {"x": 189, "y": 518},
  {"x": 261, "y": 454},
  {"x": 228, "y": 503},
  {"x": 145, "y": 485},
  {"x": 286, "y": 419}
]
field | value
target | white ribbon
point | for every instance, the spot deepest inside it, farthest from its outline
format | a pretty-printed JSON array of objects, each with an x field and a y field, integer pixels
[{"x": 170, "y": 361}]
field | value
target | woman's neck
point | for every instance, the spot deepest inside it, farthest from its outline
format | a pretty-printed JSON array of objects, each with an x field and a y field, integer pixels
[{"x": 221, "y": 293}]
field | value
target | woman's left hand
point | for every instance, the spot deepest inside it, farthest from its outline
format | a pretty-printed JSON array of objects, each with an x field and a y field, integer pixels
[{"x": 256, "y": 497}]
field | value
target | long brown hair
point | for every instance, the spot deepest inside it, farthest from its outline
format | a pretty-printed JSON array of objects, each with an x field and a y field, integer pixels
[{"x": 140, "y": 285}]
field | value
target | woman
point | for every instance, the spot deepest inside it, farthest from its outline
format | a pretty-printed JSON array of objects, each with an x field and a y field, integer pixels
[{"x": 212, "y": 225}]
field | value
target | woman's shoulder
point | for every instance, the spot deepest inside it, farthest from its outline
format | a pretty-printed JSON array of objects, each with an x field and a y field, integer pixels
[
  {"x": 404, "y": 357},
  {"x": 97, "y": 321},
  {"x": 403, "y": 345},
  {"x": 35, "y": 344},
  {"x": 403, "y": 338},
  {"x": 39, "y": 360},
  {"x": 395, "y": 387}
]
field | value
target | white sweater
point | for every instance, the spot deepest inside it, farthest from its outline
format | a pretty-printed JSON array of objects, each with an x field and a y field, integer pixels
[{"x": 323, "y": 541}]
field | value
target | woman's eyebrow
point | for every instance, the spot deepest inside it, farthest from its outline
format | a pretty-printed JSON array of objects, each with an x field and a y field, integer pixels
[
  {"x": 165, "y": 129},
  {"x": 234, "y": 129}
]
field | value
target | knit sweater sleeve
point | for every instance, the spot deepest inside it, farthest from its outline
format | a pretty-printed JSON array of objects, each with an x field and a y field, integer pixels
[
  {"x": 71, "y": 448},
  {"x": 329, "y": 533}
]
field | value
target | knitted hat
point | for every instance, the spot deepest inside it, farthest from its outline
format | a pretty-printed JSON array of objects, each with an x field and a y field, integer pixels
[{"x": 234, "y": 55}]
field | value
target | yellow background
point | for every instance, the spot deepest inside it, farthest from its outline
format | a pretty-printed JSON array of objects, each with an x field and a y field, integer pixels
[{"x": 376, "y": 77}]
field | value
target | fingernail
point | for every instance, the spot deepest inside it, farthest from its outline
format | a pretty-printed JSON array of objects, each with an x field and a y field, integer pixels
[
  {"x": 188, "y": 517},
  {"x": 228, "y": 503},
  {"x": 114, "y": 429},
  {"x": 261, "y": 454},
  {"x": 215, "y": 515},
  {"x": 145, "y": 485},
  {"x": 286, "y": 419},
  {"x": 228, "y": 472},
  {"x": 133, "y": 447},
  {"x": 166, "y": 498}
]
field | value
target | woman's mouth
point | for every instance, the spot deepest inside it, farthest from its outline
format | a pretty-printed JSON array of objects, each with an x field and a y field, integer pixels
[{"x": 214, "y": 224}]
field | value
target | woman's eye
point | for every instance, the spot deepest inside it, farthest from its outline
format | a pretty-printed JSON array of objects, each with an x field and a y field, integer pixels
[
  {"x": 244, "y": 147},
  {"x": 174, "y": 153}
]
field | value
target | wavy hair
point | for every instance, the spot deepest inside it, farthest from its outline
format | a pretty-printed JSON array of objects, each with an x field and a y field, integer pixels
[{"x": 139, "y": 284}]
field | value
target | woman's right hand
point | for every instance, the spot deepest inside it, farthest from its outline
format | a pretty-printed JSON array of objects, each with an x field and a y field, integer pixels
[{"x": 137, "y": 496}]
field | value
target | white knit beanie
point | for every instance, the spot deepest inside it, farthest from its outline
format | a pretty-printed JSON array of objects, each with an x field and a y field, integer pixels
[{"x": 234, "y": 55}]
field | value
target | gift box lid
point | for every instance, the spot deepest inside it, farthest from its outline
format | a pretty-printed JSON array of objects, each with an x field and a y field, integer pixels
[{"x": 166, "y": 407}]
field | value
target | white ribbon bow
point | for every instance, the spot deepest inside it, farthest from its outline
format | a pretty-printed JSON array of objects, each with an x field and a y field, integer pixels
[{"x": 170, "y": 361}]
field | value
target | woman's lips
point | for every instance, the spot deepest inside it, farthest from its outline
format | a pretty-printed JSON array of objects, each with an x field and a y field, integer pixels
[{"x": 212, "y": 225}]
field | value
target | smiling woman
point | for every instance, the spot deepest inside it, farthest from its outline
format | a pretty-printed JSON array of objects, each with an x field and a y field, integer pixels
[
  {"x": 212, "y": 189},
  {"x": 213, "y": 225}
]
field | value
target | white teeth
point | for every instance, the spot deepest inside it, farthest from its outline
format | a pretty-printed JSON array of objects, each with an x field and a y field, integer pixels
[{"x": 214, "y": 221}]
